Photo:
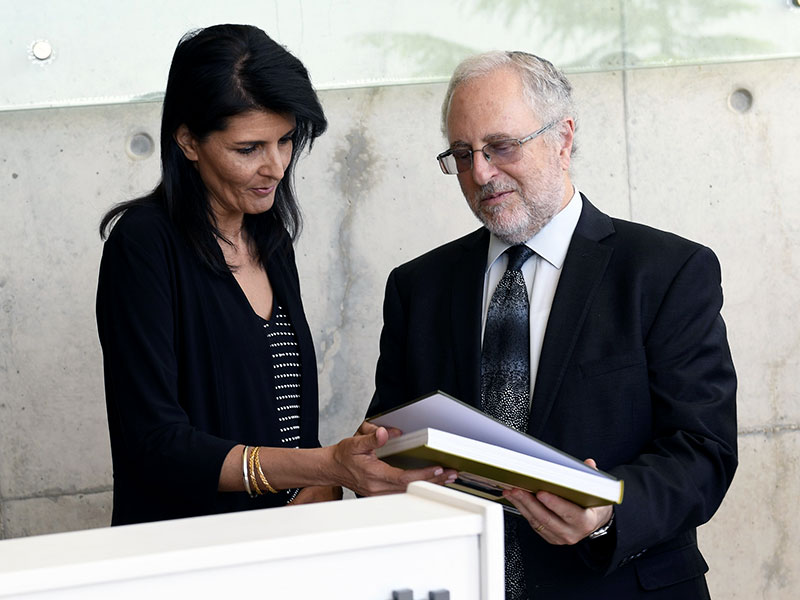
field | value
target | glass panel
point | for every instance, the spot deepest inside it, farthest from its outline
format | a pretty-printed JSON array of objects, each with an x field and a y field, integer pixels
[
  {"x": 675, "y": 32},
  {"x": 59, "y": 53}
]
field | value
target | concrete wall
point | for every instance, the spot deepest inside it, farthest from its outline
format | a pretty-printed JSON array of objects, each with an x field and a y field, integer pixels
[{"x": 661, "y": 146}]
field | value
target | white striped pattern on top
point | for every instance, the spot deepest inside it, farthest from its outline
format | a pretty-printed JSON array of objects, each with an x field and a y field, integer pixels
[
  {"x": 285, "y": 358},
  {"x": 285, "y": 363}
]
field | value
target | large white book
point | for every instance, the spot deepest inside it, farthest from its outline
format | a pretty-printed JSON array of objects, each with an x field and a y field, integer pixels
[{"x": 489, "y": 456}]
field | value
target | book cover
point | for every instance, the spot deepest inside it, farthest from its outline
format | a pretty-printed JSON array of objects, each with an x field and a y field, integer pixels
[{"x": 489, "y": 456}]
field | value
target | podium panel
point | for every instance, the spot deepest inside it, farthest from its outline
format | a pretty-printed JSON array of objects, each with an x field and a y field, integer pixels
[{"x": 428, "y": 539}]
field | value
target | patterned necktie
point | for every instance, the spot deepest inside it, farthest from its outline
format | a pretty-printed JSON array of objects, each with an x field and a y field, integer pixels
[{"x": 505, "y": 382}]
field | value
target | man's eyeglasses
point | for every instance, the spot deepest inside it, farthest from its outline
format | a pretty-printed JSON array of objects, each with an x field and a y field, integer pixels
[{"x": 501, "y": 152}]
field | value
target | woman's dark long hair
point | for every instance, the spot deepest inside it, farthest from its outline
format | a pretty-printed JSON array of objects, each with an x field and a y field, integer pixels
[{"x": 217, "y": 73}]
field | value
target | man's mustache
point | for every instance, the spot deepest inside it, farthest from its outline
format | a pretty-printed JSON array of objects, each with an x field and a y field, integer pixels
[{"x": 492, "y": 188}]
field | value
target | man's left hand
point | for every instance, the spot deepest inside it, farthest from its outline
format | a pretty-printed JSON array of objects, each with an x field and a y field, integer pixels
[{"x": 558, "y": 521}]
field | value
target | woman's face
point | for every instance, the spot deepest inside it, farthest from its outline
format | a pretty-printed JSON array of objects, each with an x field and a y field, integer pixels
[{"x": 242, "y": 165}]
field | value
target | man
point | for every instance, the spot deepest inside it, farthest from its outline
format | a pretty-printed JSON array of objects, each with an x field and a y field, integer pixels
[{"x": 621, "y": 355}]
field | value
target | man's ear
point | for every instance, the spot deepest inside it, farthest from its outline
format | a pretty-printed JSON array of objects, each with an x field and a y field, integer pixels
[
  {"x": 567, "y": 135},
  {"x": 186, "y": 142}
]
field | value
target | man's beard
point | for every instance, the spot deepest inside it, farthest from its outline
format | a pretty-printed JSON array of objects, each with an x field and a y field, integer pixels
[{"x": 521, "y": 216}]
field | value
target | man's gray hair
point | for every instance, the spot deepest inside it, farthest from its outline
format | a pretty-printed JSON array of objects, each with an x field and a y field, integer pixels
[{"x": 546, "y": 89}]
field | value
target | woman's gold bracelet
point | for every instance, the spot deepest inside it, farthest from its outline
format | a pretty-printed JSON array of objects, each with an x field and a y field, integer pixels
[
  {"x": 252, "y": 473},
  {"x": 261, "y": 473}
]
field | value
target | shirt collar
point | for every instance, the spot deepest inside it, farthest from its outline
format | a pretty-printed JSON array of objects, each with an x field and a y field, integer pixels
[{"x": 551, "y": 242}]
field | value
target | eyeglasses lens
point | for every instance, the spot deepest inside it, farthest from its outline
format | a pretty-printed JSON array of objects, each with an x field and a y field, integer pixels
[
  {"x": 504, "y": 151},
  {"x": 451, "y": 164}
]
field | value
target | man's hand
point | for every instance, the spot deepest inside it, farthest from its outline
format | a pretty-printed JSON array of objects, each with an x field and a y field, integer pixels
[{"x": 558, "y": 521}]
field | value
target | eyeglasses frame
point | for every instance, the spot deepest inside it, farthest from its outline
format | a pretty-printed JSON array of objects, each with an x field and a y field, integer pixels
[{"x": 482, "y": 150}]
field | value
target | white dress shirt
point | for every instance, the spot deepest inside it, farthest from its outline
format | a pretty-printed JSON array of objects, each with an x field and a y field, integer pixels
[{"x": 541, "y": 272}]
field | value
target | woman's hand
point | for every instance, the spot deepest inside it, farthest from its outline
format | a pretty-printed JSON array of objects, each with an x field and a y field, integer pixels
[
  {"x": 317, "y": 493},
  {"x": 358, "y": 469},
  {"x": 367, "y": 428}
]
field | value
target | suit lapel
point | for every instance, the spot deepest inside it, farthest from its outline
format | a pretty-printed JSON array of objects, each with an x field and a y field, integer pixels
[
  {"x": 466, "y": 306},
  {"x": 583, "y": 269}
]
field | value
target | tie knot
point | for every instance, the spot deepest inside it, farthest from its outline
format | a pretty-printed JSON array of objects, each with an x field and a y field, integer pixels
[{"x": 517, "y": 255}]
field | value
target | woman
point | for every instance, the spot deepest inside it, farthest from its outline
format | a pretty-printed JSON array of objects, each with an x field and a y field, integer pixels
[{"x": 209, "y": 366}]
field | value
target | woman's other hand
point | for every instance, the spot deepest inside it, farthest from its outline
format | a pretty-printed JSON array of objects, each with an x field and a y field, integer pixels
[{"x": 318, "y": 493}]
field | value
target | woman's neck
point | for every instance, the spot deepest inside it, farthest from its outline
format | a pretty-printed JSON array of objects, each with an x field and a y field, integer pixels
[{"x": 235, "y": 243}]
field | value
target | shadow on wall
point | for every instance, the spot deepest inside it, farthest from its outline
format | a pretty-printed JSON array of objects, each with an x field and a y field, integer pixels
[{"x": 593, "y": 35}]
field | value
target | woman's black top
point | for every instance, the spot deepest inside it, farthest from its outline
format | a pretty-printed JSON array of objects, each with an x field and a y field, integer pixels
[{"x": 188, "y": 371}]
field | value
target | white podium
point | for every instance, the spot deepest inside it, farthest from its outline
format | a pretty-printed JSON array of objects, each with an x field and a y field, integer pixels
[{"x": 430, "y": 540}]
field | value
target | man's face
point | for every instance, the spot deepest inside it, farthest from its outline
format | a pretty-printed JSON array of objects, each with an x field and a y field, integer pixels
[{"x": 513, "y": 201}]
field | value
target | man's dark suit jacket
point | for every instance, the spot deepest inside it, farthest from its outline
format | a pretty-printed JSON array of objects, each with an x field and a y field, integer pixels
[{"x": 635, "y": 372}]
